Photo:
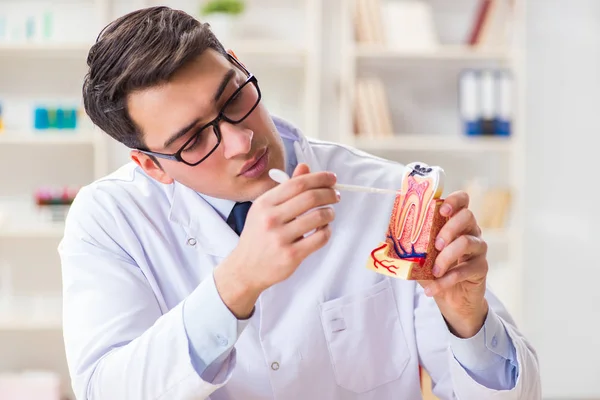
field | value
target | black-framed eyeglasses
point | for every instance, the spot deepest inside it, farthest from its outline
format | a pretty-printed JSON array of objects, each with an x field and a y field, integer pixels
[{"x": 207, "y": 138}]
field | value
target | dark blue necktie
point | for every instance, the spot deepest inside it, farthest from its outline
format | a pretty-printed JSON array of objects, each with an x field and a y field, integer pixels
[{"x": 237, "y": 217}]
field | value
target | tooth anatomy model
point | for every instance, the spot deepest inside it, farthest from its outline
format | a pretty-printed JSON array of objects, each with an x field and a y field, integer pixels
[{"x": 408, "y": 251}]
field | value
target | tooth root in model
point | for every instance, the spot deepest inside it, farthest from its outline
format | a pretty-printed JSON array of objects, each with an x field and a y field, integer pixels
[{"x": 408, "y": 251}]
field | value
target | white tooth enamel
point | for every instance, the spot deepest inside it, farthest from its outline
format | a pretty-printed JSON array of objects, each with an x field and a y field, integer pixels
[{"x": 408, "y": 201}]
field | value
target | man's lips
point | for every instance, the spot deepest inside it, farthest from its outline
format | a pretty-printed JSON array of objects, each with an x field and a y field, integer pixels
[{"x": 252, "y": 162}]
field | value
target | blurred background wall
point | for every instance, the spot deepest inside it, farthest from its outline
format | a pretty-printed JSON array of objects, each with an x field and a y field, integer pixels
[
  {"x": 323, "y": 65},
  {"x": 561, "y": 259}
]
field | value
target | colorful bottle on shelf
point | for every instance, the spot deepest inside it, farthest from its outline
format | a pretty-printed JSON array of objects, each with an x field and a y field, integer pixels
[
  {"x": 55, "y": 118},
  {"x": 41, "y": 118}
]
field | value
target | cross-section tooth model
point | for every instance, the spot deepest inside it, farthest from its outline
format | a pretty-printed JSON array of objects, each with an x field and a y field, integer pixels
[{"x": 408, "y": 251}]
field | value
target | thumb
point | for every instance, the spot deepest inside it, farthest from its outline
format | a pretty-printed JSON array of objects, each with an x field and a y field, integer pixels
[{"x": 301, "y": 169}]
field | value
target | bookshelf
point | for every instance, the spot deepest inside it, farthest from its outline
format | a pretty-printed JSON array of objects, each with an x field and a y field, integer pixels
[
  {"x": 53, "y": 70},
  {"x": 301, "y": 54},
  {"x": 433, "y": 143},
  {"x": 38, "y": 230},
  {"x": 447, "y": 52},
  {"x": 30, "y": 138},
  {"x": 401, "y": 100},
  {"x": 29, "y": 326}
]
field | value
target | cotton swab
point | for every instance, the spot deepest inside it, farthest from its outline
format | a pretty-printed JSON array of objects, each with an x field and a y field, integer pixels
[
  {"x": 354, "y": 188},
  {"x": 280, "y": 176}
]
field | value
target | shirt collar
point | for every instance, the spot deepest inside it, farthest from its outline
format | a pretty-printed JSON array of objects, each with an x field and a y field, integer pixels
[{"x": 289, "y": 135}]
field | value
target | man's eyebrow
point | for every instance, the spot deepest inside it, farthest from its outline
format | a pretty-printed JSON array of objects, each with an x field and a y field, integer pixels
[
  {"x": 179, "y": 133},
  {"x": 228, "y": 76},
  {"x": 220, "y": 90}
]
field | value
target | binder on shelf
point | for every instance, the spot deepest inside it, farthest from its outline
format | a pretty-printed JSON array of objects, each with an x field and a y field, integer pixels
[
  {"x": 487, "y": 99},
  {"x": 504, "y": 83},
  {"x": 469, "y": 102},
  {"x": 485, "y": 102}
]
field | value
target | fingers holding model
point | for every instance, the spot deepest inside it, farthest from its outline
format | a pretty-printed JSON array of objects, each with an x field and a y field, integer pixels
[
  {"x": 274, "y": 241},
  {"x": 460, "y": 268}
]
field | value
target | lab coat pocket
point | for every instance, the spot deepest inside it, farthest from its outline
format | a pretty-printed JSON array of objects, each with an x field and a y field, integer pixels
[{"x": 365, "y": 338}]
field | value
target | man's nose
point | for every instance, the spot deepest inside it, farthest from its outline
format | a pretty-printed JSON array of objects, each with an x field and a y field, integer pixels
[{"x": 236, "y": 139}]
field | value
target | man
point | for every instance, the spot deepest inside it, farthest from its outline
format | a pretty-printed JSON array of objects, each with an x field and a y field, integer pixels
[{"x": 166, "y": 297}]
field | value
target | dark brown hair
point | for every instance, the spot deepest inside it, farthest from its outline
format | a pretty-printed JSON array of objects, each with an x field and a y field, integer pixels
[{"x": 136, "y": 51}]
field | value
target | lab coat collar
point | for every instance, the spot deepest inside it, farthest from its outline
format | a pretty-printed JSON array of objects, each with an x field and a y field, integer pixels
[
  {"x": 302, "y": 144},
  {"x": 203, "y": 223}
]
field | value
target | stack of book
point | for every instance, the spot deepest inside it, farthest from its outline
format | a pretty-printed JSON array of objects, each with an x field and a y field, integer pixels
[
  {"x": 372, "y": 115},
  {"x": 368, "y": 22},
  {"x": 402, "y": 24},
  {"x": 491, "y": 205}
]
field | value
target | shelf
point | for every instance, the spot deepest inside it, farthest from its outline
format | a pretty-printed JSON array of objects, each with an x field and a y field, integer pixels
[
  {"x": 25, "y": 325},
  {"x": 404, "y": 142},
  {"x": 266, "y": 47},
  {"x": 271, "y": 49},
  {"x": 45, "y": 49},
  {"x": 42, "y": 230},
  {"x": 443, "y": 53},
  {"x": 43, "y": 138}
]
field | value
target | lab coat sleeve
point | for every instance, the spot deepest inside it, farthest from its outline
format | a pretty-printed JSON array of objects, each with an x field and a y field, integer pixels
[
  {"x": 451, "y": 379},
  {"x": 212, "y": 338},
  {"x": 489, "y": 356},
  {"x": 119, "y": 343}
]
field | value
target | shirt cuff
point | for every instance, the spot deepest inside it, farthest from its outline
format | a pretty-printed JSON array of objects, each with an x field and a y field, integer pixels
[
  {"x": 489, "y": 346},
  {"x": 211, "y": 327}
]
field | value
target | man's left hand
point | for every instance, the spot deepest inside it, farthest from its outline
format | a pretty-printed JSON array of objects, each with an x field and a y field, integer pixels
[{"x": 460, "y": 268}]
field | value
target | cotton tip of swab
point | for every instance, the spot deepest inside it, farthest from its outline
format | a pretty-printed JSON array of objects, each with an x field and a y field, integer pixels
[{"x": 278, "y": 175}]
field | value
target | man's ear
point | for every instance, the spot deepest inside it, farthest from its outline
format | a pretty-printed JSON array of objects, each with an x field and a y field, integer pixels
[{"x": 151, "y": 167}]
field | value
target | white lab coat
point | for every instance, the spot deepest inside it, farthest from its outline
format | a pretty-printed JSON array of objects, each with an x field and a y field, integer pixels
[{"x": 134, "y": 249}]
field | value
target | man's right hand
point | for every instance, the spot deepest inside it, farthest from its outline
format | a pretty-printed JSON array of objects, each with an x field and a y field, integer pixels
[{"x": 272, "y": 244}]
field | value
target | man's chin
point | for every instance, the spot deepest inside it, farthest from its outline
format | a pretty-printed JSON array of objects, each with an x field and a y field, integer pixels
[{"x": 261, "y": 186}]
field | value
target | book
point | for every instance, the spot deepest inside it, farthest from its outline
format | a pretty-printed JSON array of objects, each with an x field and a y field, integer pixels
[
  {"x": 492, "y": 26},
  {"x": 368, "y": 23},
  {"x": 372, "y": 114},
  {"x": 410, "y": 26}
]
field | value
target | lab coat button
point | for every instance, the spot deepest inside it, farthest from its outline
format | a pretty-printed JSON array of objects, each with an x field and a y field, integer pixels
[
  {"x": 222, "y": 340},
  {"x": 275, "y": 366},
  {"x": 191, "y": 241},
  {"x": 494, "y": 342}
]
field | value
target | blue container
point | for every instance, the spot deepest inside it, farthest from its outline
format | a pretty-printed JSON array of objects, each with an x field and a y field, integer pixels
[
  {"x": 502, "y": 127},
  {"x": 472, "y": 128},
  {"x": 66, "y": 118},
  {"x": 70, "y": 118},
  {"x": 53, "y": 122},
  {"x": 41, "y": 118}
]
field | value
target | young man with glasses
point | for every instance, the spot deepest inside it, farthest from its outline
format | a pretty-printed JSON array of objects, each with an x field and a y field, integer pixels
[{"x": 190, "y": 273}]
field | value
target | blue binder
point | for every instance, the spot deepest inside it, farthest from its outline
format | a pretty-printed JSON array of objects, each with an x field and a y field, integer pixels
[
  {"x": 469, "y": 105},
  {"x": 504, "y": 98}
]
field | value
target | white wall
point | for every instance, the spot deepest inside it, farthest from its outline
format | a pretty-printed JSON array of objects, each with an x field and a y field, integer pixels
[{"x": 561, "y": 296}]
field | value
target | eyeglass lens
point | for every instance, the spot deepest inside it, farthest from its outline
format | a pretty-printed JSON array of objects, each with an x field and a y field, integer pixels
[{"x": 235, "y": 111}]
